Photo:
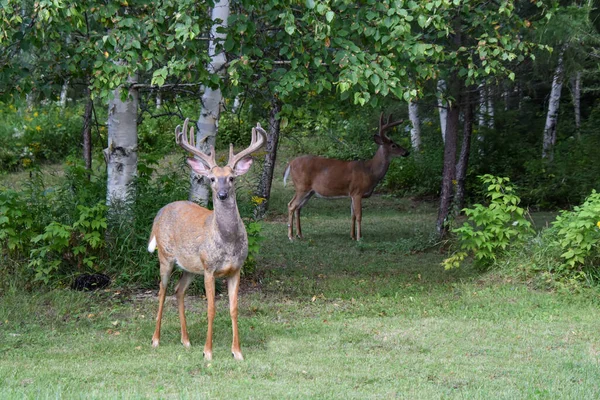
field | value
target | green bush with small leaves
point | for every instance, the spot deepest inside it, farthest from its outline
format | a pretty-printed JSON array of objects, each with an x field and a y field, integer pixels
[
  {"x": 577, "y": 233},
  {"x": 64, "y": 249},
  {"x": 491, "y": 229}
]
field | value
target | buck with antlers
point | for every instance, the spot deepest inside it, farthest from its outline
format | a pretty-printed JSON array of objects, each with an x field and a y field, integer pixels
[
  {"x": 332, "y": 178},
  {"x": 200, "y": 241}
]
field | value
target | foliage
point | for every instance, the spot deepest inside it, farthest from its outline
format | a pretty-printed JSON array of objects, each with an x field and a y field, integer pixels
[
  {"x": 491, "y": 229},
  {"x": 63, "y": 249},
  {"x": 47, "y": 133},
  {"x": 16, "y": 220},
  {"x": 578, "y": 234}
]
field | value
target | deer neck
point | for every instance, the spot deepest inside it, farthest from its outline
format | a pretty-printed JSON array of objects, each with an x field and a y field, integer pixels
[
  {"x": 227, "y": 218},
  {"x": 380, "y": 163}
]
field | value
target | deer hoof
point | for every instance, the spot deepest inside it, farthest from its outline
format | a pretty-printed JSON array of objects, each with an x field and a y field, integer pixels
[
  {"x": 207, "y": 355},
  {"x": 237, "y": 355},
  {"x": 155, "y": 342},
  {"x": 186, "y": 343}
]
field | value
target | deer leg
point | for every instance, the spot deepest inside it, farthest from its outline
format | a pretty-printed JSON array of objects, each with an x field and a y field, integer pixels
[
  {"x": 209, "y": 287},
  {"x": 294, "y": 206},
  {"x": 291, "y": 209},
  {"x": 304, "y": 200},
  {"x": 182, "y": 285},
  {"x": 357, "y": 203},
  {"x": 353, "y": 215},
  {"x": 165, "y": 272},
  {"x": 233, "y": 283}
]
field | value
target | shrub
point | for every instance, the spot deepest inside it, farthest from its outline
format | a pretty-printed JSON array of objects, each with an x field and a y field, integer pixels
[
  {"x": 64, "y": 249},
  {"x": 491, "y": 229},
  {"x": 577, "y": 233}
]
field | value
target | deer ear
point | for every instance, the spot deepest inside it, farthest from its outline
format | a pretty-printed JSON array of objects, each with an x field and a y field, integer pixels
[
  {"x": 378, "y": 139},
  {"x": 198, "y": 167},
  {"x": 242, "y": 166}
]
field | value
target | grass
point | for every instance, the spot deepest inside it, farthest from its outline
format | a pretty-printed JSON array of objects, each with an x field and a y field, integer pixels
[{"x": 324, "y": 318}]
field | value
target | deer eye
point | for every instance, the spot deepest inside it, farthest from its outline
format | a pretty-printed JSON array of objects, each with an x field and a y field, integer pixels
[
  {"x": 212, "y": 179},
  {"x": 231, "y": 179},
  {"x": 394, "y": 146}
]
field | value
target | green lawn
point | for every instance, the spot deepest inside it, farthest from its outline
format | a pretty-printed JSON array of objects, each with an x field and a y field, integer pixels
[{"x": 324, "y": 318}]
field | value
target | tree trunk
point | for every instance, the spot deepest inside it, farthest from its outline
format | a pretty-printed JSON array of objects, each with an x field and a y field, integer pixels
[
  {"x": 552, "y": 116},
  {"x": 442, "y": 106},
  {"x": 449, "y": 171},
  {"x": 87, "y": 130},
  {"x": 576, "y": 83},
  {"x": 121, "y": 154},
  {"x": 158, "y": 100},
  {"x": 63, "y": 94},
  {"x": 465, "y": 150},
  {"x": 266, "y": 178},
  {"x": 207, "y": 125},
  {"x": 490, "y": 108},
  {"x": 415, "y": 131},
  {"x": 483, "y": 104}
]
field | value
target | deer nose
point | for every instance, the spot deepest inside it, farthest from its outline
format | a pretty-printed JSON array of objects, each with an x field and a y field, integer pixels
[{"x": 222, "y": 195}]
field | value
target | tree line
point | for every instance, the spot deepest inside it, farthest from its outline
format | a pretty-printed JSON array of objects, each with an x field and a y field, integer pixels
[{"x": 464, "y": 57}]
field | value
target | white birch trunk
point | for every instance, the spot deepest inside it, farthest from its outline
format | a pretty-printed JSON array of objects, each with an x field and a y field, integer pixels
[
  {"x": 63, "y": 94},
  {"x": 577, "y": 102},
  {"x": 121, "y": 154},
  {"x": 158, "y": 100},
  {"x": 490, "y": 108},
  {"x": 212, "y": 99},
  {"x": 415, "y": 131},
  {"x": 552, "y": 116},
  {"x": 442, "y": 106},
  {"x": 482, "y": 105}
]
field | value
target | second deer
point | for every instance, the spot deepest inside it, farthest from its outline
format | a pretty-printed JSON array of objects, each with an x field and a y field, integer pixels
[
  {"x": 201, "y": 241},
  {"x": 332, "y": 178}
]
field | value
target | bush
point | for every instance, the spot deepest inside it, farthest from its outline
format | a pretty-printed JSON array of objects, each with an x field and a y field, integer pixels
[
  {"x": 491, "y": 229},
  {"x": 46, "y": 133},
  {"x": 577, "y": 233}
]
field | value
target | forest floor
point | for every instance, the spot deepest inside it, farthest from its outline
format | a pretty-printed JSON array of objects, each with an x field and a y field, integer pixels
[{"x": 323, "y": 318}]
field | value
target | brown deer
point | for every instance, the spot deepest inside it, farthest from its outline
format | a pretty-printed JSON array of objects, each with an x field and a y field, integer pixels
[
  {"x": 200, "y": 241},
  {"x": 332, "y": 178}
]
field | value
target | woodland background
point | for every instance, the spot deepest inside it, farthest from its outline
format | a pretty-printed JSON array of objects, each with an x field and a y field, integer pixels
[{"x": 500, "y": 101}]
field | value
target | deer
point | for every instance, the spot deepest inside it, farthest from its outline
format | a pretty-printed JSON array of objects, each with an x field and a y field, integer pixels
[
  {"x": 332, "y": 178},
  {"x": 205, "y": 242}
]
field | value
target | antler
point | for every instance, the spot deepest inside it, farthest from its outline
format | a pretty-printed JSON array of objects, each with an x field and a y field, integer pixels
[
  {"x": 387, "y": 126},
  {"x": 187, "y": 141},
  {"x": 258, "y": 139}
]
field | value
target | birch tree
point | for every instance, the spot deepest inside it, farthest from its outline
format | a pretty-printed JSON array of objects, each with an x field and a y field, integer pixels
[
  {"x": 415, "y": 130},
  {"x": 212, "y": 99},
  {"x": 549, "y": 139},
  {"x": 121, "y": 153},
  {"x": 442, "y": 106}
]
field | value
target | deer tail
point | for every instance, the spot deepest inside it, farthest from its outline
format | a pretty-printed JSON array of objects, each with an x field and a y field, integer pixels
[{"x": 286, "y": 174}]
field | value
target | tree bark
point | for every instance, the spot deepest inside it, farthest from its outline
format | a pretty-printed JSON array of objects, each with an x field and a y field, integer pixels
[
  {"x": 207, "y": 125},
  {"x": 449, "y": 171},
  {"x": 415, "y": 131},
  {"x": 63, "y": 94},
  {"x": 87, "y": 130},
  {"x": 442, "y": 106},
  {"x": 576, "y": 84},
  {"x": 490, "y": 108},
  {"x": 266, "y": 178},
  {"x": 483, "y": 104},
  {"x": 553, "y": 103},
  {"x": 121, "y": 154},
  {"x": 465, "y": 151}
]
